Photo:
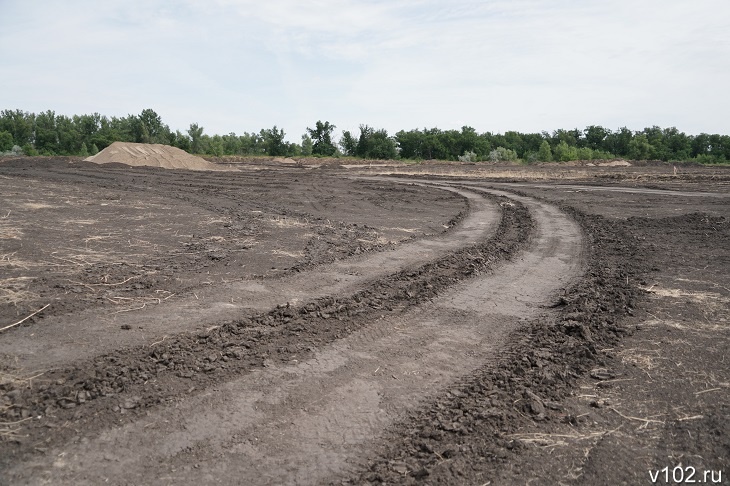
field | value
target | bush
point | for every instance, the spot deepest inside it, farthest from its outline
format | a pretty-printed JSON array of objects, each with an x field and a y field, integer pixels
[
  {"x": 564, "y": 152},
  {"x": 545, "y": 153},
  {"x": 29, "y": 150},
  {"x": 468, "y": 157},
  {"x": 501, "y": 154},
  {"x": 532, "y": 157},
  {"x": 16, "y": 150},
  {"x": 6, "y": 141},
  {"x": 710, "y": 159}
]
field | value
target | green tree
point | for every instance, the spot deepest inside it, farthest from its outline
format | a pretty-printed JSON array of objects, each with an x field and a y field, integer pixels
[
  {"x": 180, "y": 140},
  {"x": 322, "y": 137},
  {"x": 545, "y": 153},
  {"x": 410, "y": 143},
  {"x": 678, "y": 143},
  {"x": 595, "y": 135},
  {"x": 348, "y": 144},
  {"x": 564, "y": 152},
  {"x": 618, "y": 142},
  {"x": 69, "y": 139},
  {"x": 19, "y": 124},
  {"x": 251, "y": 144},
  {"x": 375, "y": 144},
  {"x": 215, "y": 146},
  {"x": 639, "y": 148},
  {"x": 150, "y": 129},
  {"x": 307, "y": 145},
  {"x": 196, "y": 133},
  {"x": 232, "y": 144},
  {"x": 273, "y": 142},
  {"x": 584, "y": 153},
  {"x": 6, "y": 141},
  {"x": 29, "y": 150},
  {"x": 46, "y": 134}
]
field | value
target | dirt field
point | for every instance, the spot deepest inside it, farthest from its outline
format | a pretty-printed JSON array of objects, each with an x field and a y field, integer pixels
[{"x": 293, "y": 323}]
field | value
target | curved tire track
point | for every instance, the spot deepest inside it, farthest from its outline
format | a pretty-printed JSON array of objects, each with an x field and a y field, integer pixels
[
  {"x": 230, "y": 301},
  {"x": 303, "y": 422}
]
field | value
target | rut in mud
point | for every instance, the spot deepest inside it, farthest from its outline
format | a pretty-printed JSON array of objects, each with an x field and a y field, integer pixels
[
  {"x": 227, "y": 301},
  {"x": 289, "y": 421},
  {"x": 400, "y": 372}
]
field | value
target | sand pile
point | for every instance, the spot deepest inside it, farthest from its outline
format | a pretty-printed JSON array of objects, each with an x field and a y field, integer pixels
[{"x": 153, "y": 155}]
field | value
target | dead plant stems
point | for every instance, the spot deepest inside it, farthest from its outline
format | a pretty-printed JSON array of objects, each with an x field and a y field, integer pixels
[
  {"x": 640, "y": 419},
  {"x": 24, "y": 319}
]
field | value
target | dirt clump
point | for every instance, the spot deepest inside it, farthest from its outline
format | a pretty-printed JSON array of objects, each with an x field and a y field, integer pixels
[{"x": 152, "y": 155}]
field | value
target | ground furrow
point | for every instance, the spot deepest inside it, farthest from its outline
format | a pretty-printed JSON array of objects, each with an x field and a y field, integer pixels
[
  {"x": 220, "y": 302},
  {"x": 304, "y": 421}
]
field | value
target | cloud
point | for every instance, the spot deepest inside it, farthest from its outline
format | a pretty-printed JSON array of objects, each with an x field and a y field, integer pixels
[{"x": 231, "y": 65}]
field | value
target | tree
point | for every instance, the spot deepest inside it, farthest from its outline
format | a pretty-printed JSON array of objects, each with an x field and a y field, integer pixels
[
  {"x": 348, "y": 144},
  {"x": 618, "y": 142},
  {"x": 307, "y": 145},
  {"x": 594, "y": 136},
  {"x": 640, "y": 148},
  {"x": 409, "y": 143},
  {"x": 180, "y": 140},
  {"x": 322, "y": 136},
  {"x": 273, "y": 141},
  {"x": 232, "y": 144},
  {"x": 46, "y": 134},
  {"x": 570, "y": 137},
  {"x": 679, "y": 144},
  {"x": 196, "y": 133},
  {"x": 69, "y": 138},
  {"x": 375, "y": 144},
  {"x": 564, "y": 152},
  {"x": 545, "y": 153},
  {"x": 149, "y": 128},
  {"x": 6, "y": 141},
  {"x": 19, "y": 124}
]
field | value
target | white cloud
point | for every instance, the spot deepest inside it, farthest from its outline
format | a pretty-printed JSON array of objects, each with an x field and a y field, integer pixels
[{"x": 526, "y": 65}]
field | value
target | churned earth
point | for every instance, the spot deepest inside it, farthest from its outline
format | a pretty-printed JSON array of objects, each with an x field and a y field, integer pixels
[{"x": 376, "y": 323}]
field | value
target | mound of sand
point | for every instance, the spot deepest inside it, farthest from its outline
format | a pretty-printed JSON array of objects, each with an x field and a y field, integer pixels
[{"x": 152, "y": 155}]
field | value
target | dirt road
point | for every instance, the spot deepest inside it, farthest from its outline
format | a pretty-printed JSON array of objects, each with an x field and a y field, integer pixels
[
  {"x": 216, "y": 302},
  {"x": 304, "y": 421},
  {"x": 323, "y": 326}
]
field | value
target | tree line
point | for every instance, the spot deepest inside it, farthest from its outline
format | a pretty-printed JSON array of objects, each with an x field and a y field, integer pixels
[{"x": 47, "y": 133}]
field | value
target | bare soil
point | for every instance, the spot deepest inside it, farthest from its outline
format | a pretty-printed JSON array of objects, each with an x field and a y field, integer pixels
[{"x": 318, "y": 324}]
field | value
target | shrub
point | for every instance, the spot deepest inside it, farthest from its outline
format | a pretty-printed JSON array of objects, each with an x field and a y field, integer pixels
[{"x": 501, "y": 154}]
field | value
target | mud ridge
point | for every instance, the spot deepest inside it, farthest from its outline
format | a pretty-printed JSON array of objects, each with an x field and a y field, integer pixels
[
  {"x": 125, "y": 384},
  {"x": 462, "y": 436}
]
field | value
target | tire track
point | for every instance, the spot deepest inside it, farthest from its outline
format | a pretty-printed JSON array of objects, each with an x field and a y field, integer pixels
[
  {"x": 303, "y": 422},
  {"x": 233, "y": 300}
]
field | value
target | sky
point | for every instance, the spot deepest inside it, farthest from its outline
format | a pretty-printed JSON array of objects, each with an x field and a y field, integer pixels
[{"x": 240, "y": 66}]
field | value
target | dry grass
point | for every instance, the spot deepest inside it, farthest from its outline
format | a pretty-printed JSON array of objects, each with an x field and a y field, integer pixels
[
  {"x": 14, "y": 290},
  {"x": 290, "y": 254},
  {"x": 35, "y": 205},
  {"x": 83, "y": 222},
  {"x": 700, "y": 297},
  {"x": 693, "y": 326},
  {"x": 10, "y": 430},
  {"x": 531, "y": 174},
  {"x": 558, "y": 440},
  {"x": 284, "y": 222},
  {"x": 9, "y": 231}
]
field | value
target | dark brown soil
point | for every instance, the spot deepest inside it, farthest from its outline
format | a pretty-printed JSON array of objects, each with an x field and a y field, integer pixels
[{"x": 622, "y": 374}]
